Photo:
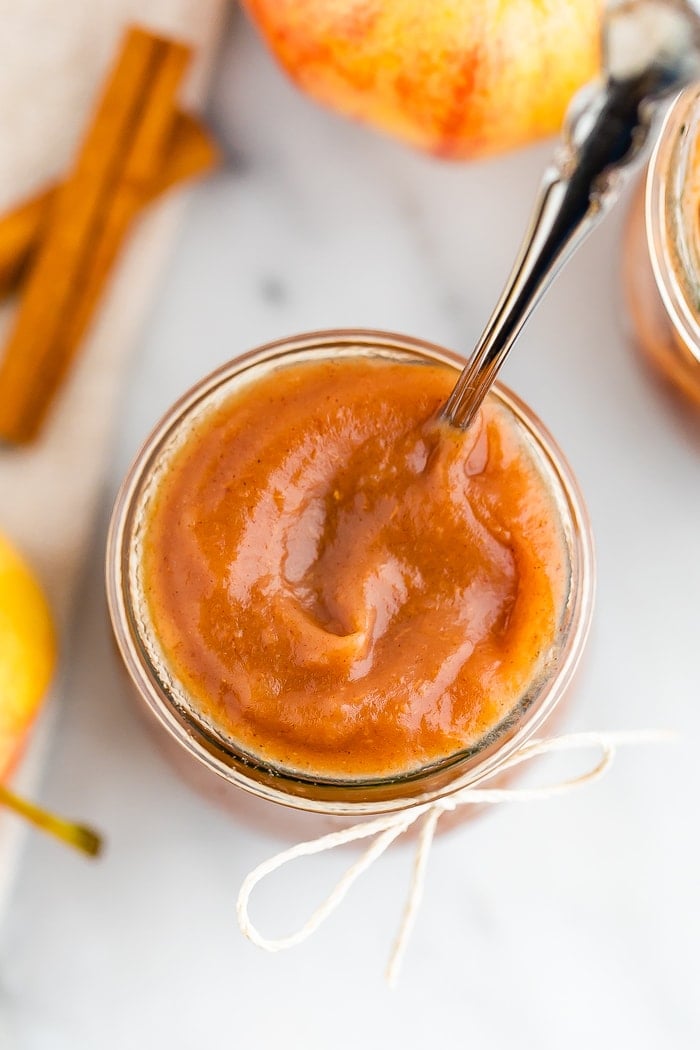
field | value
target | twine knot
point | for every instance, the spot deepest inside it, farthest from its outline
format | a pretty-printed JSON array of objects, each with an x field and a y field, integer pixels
[{"x": 386, "y": 829}]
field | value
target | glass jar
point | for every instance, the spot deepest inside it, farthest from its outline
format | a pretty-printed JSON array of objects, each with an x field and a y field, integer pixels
[
  {"x": 178, "y": 720},
  {"x": 661, "y": 252}
]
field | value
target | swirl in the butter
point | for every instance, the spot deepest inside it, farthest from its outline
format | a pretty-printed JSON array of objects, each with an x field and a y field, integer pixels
[{"x": 345, "y": 587}]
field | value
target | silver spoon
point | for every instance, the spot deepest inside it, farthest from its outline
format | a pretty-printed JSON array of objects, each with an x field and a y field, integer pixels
[{"x": 651, "y": 49}]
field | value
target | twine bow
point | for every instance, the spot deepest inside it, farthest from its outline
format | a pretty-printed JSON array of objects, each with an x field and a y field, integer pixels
[{"x": 385, "y": 829}]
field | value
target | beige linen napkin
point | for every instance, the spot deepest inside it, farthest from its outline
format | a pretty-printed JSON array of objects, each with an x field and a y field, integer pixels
[{"x": 53, "y": 58}]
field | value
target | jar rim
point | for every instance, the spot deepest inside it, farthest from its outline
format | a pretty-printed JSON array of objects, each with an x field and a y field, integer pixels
[
  {"x": 673, "y": 238},
  {"x": 299, "y": 791}
]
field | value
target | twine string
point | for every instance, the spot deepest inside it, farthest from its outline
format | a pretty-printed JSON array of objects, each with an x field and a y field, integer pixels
[
  {"x": 387, "y": 828},
  {"x": 415, "y": 893}
]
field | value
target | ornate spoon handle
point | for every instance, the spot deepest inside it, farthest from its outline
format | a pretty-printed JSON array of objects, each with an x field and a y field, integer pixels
[{"x": 651, "y": 49}]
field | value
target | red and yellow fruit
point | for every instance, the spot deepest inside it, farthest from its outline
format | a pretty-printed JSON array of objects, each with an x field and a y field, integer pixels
[{"x": 459, "y": 78}]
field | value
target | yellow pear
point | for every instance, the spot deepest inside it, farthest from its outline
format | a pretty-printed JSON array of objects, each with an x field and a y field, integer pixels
[
  {"x": 27, "y": 652},
  {"x": 27, "y": 660}
]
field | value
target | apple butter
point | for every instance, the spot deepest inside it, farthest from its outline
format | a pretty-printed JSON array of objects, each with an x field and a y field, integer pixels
[{"x": 345, "y": 586}]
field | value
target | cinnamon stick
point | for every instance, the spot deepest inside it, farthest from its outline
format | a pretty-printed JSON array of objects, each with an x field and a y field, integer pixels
[
  {"x": 20, "y": 231},
  {"x": 191, "y": 152},
  {"x": 91, "y": 211},
  {"x": 141, "y": 165}
]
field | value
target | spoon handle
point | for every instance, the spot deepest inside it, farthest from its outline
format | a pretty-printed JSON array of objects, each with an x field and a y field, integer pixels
[{"x": 606, "y": 129}]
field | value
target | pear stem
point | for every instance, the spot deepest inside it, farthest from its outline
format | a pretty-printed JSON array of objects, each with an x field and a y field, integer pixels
[{"x": 76, "y": 835}]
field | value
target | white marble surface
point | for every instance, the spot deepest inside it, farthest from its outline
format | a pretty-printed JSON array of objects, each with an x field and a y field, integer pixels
[{"x": 572, "y": 923}]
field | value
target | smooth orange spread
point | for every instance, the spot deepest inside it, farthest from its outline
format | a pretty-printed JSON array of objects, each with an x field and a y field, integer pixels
[{"x": 345, "y": 587}]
